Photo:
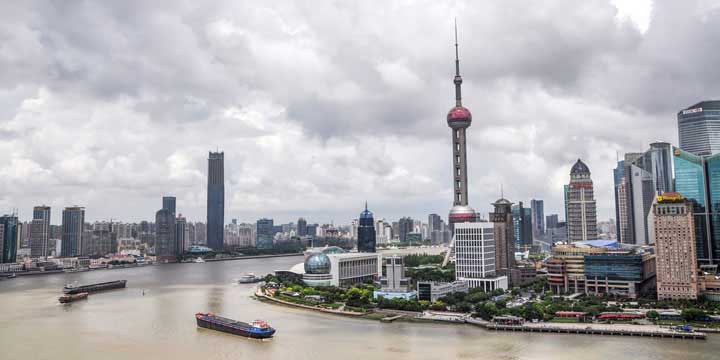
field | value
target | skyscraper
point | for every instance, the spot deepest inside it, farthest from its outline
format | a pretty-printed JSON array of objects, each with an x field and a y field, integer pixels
[
  {"x": 459, "y": 119},
  {"x": 434, "y": 223},
  {"x": 405, "y": 226},
  {"x": 504, "y": 232},
  {"x": 551, "y": 221},
  {"x": 581, "y": 209},
  {"x": 265, "y": 234},
  {"x": 697, "y": 179},
  {"x": 302, "y": 227},
  {"x": 182, "y": 242},
  {"x": 73, "y": 222},
  {"x": 8, "y": 240},
  {"x": 168, "y": 202},
  {"x": 522, "y": 226},
  {"x": 673, "y": 231},
  {"x": 699, "y": 128},
  {"x": 216, "y": 201},
  {"x": 474, "y": 247},
  {"x": 40, "y": 231},
  {"x": 165, "y": 239},
  {"x": 538, "y": 218},
  {"x": 366, "y": 232}
]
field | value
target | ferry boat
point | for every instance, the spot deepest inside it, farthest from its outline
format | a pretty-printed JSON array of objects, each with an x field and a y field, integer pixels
[
  {"x": 257, "y": 330},
  {"x": 248, "y": 279},
  {"x": 75, "y": 289},
  {"x": 199, "y": 260},
  {"x": 72, "y": 297}
]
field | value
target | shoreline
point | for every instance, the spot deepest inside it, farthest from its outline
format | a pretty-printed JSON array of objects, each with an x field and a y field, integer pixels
[
  {"x": 136, "y": 265},
  {"x": 651, "y": 331}
]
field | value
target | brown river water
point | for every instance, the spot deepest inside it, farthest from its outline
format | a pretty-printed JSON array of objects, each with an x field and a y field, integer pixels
[{"x": 125, "y": 324}]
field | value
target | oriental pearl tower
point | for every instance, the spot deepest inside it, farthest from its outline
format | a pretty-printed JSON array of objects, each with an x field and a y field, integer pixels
[{"x": 459, "y": 119}]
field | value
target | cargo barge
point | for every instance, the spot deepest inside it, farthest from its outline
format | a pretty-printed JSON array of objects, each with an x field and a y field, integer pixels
[
  {"x": 75, "y": 289},
  {"x": 72, "y": 297},
  {"x": 257, "y": 330}
]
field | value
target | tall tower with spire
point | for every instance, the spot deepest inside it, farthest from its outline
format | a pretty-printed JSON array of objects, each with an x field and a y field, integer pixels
[
  {"x": 366, "y": 231},
  {"x": 459, "y": 119}
]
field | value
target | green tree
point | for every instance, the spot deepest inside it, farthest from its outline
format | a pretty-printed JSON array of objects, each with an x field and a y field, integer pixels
[
  {"x": 691, "y": 314},
  {"x": 652, "y": 314}
]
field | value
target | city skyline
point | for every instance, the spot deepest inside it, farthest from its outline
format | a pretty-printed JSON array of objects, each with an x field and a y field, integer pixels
[{"x": 259, "y": 113}]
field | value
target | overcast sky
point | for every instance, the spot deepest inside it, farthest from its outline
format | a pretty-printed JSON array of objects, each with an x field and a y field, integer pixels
[{"x": 321, "y": 106}]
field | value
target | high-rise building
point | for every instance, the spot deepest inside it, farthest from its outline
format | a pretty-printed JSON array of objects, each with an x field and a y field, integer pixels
[
  {"x": 538, "y": 218},
  {"x": 699, "y": 128},
  {"x": 265, "y": 234},
  {"x": 474, "y": 246},
  {"x": 302, "y": 227},
  {"x": 434, "y": 222},
  {"x": 216, "y": 201},
  {"x": 394, "y": 280},
  {"x": 405, "y": 226},
  {"x": 366, "y": 232},
  {"x": 673, "y": 230},
  {"x": 504, "y": 233},
  {"x": 73, "y": 223},
  {"x": 637, "y": 179},
  {"x": 551, "y": 221},
  {"x": 182, "y": 242},
  {"x": 169, "y": 202},
  {"x": 522, "y": 226},
  {"x": 459, "y": 119},
  {"x": 580, "y": 205},
  {"x": 697, "y": 179},
  {"x": 40, "y": 232},
  {"x": 9, "y": 238},
  {"x": 165, "y": 240}
]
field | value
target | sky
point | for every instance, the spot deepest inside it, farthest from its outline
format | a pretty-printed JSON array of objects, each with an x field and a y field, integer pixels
[{"x": 320, "y": 106}]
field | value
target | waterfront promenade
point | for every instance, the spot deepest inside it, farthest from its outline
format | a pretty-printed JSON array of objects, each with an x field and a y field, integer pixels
[{"x": 540, "y": 327}]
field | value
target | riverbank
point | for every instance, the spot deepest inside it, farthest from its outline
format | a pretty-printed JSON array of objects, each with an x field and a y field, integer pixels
[
  {"x": 386, "y": 315},
  {"x": 254, "y": 257}
]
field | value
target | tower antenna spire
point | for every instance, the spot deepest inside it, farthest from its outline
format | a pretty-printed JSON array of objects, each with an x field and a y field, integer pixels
[
  {"x": 458, "y": 79},
  {"x": 502, "y": 194}
]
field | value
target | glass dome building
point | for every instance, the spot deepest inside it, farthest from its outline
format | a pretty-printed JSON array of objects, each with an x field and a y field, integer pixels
[
  {"x": 317, "y": 264},
  {"x": 317, "y": 270}
]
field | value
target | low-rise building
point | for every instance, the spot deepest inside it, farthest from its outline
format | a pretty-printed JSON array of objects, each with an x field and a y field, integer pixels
[
  {"x": 339, "y": 269},
  {"x": 601, "y": 267},
  {"x": 432, "y": 291}
]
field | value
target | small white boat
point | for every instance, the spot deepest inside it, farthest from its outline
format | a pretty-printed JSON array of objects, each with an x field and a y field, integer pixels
[
  {"x": 248, "y": 279},
  {"x": 199, "y": 260}
]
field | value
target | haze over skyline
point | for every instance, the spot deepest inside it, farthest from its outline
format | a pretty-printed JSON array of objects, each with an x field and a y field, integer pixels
[{"x": 323, "y": 106}]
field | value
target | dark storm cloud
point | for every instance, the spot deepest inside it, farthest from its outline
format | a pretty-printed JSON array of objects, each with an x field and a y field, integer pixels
[{"x": 322, "y": 105}]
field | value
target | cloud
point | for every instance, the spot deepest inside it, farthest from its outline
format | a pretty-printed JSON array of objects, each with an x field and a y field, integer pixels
[{"x": 319, "y": 107}]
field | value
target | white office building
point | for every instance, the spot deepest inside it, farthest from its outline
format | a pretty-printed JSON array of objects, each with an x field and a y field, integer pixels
[{"x": 474, "y": 246}]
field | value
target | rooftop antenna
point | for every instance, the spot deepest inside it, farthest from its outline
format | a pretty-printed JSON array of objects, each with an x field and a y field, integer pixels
[{"x": 502, "y": 194}]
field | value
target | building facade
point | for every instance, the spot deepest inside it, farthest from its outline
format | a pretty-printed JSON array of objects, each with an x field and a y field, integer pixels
[
  {"x": 170, "y": 203},
  {"x": 522, "y": 226},
  {"x": 165, "y": 239},
  {"x": 504, "y": 233},
  {"x": 474, "y": 246},
  {"x": 182, "y": 242},
  {"x": 697, "y": 179},
  {"x": 216, "y": 201},
  {"x": 673, "y": 231},
  {"x": 265, "y": 234},
  {"x": 699, "y": 128},
  {"x": 366, "y": 232},
  {"x": 537, "y": 209},
  {"x": 8, "y": 238},
  {"x": 73, "y": 222},
  {"x": 433, "y": 291},
  {"x": 580, "y": 205},
  {"x": 302, "y": 227},
  {"x": 40, "y": 232}
]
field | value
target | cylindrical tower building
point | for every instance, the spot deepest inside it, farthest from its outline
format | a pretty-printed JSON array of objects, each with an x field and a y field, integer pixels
[{"x": 459, "y": 119}]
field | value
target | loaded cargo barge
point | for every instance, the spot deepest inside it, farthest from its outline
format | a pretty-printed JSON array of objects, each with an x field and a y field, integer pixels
[
  {"x": 257, "y": 330},
  {"x": 75, "y": 289}
]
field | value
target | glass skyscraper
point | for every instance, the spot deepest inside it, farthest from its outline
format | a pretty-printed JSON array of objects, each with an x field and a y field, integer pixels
[
  {"x": 264, "y": 234},
  {"x": 699, "y": 128},
  {"x": 216, "y": 201},
  {"x": 697, "y": 178},
  {"x": 73, "y": 221},
  {"x": 8, "y": 240},
  {"x": 366, "y": 232}
]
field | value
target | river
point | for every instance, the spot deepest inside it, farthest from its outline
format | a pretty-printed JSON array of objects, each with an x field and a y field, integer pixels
[{"x": 125, "y": 324}]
